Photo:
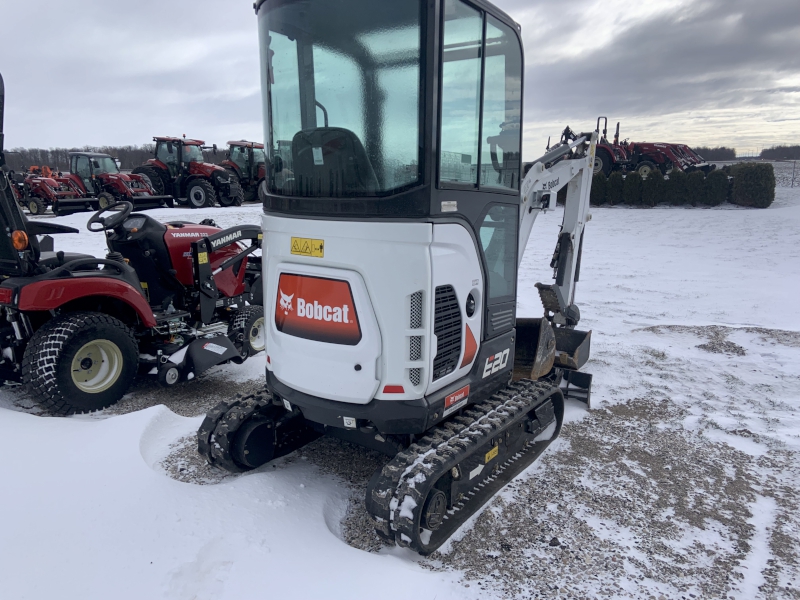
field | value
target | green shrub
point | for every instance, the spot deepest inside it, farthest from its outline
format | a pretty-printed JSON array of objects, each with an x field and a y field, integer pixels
[
  {"x": 716, "y": 188},
  {"x": 599, "y": 189},
  {"x": 676, "y": 188},
  {"x": 753, "y": 184},
  {"x": 696, "y": 187},
  {"x": 614, "y": 190},
  {"x": 632, "y": 189},
  {"x": 652, "y": 188}
]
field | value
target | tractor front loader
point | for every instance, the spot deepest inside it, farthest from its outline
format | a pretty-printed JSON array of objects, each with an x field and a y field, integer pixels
[
  {"x": 97, "y": 176},
  {"x": 175, "y": 298},
  {"x": 393, "y": 237}
]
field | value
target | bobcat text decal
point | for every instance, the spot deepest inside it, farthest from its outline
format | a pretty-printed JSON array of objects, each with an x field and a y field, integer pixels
[{"x": 317, "y": 308}]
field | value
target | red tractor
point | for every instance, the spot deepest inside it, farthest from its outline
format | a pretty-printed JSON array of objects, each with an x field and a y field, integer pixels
[
  {"x": 171, "y": 298},
  {"x": 643, "y": 157},
  {"x": 247, "y": 161},
  {"x": 39, "y": 191},
  {"x": 178, "y": 169},
  {"x": 174, "y": 299},
  {"x": 97, "y": 176}
]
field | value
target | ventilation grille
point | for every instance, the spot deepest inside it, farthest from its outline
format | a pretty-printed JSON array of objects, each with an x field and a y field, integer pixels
[
  {"x": 502, "y": 319},
  {"x": 447, "y": 327},
  {"x": 415, "y": 376},
  {"x": 415, "y": 347},
  {"x": 415, "y": 321}
]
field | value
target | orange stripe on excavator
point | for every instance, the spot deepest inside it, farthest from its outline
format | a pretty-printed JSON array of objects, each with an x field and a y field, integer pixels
[{"x": 470, "y": 347}]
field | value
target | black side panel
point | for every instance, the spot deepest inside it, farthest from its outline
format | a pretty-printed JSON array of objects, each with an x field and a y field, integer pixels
[{"x": 500, "y": 318}]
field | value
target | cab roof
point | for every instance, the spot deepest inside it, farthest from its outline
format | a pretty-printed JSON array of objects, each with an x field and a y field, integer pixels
[
  {"x": 246, "y": 143},
  {"x": 185, "y": 141},
  {"x": 90, "y": 154}
]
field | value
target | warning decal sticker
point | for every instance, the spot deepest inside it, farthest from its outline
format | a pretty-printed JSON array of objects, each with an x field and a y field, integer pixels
[{"x": 308, "y": 247}]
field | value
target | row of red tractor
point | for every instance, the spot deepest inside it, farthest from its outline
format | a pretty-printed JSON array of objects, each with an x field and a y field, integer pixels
[
  {"x": 644, "y": 157},
  {"x": 177, "y": 174}
]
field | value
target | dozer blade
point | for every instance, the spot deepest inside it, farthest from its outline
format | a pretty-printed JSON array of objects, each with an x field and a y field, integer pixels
[
  {"x": 244, "y": 433},
  {"x": 430, "y": 489}
]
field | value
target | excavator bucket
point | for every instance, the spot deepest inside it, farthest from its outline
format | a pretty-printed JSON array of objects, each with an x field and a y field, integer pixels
[
  {"x": 535, "y": 349},
  {"x": 572, "y": 348}
]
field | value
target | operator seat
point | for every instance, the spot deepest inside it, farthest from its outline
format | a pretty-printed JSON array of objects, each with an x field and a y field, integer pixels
[{"x": 331, "y": 161}]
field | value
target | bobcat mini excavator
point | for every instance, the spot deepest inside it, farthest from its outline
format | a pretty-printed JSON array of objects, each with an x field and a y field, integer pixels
[{"x": 395, "y": 219}]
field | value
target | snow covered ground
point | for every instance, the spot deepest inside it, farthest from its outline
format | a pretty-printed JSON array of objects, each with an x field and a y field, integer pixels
[{"x": 682, "y": 481}]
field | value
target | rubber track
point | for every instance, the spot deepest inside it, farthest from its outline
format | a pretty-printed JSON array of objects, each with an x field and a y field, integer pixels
[
  {"x": 451, "y": 442},
  {"x": 218, "y": 429},
  {"x": 43, "y": 351}
]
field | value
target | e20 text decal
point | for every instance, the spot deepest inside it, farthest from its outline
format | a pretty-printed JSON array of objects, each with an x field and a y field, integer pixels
[{"x": 496, "y": 362}]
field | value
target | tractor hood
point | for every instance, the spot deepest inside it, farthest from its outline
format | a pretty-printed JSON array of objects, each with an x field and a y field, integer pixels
[{"x": 204, "y": 168}]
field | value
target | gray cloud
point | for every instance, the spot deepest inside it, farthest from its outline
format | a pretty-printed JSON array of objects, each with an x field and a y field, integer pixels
[{"x": 699, "y": 71}]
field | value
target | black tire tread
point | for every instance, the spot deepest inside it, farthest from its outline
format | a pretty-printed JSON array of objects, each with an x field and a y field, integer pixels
[{"x": 40, "y": 360}]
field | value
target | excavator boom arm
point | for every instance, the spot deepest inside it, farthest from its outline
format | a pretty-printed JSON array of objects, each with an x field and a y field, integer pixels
[{"x": 568, "y": 164}]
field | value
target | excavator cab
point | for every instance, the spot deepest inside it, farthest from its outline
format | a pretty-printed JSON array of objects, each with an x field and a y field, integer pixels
[{"x": 394, "y": 220}]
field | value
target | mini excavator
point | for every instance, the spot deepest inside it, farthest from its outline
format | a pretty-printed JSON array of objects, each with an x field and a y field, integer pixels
[{"x": 396, "y": 213}]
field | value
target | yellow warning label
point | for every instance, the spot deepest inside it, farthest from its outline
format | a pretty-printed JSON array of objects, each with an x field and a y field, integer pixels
[
  {"x": 492, "y": 454},
  {"x": 308, "y": 247},
  {"x": 145, "y": 289},
  {"x": 202, "y": 258},
  {"x": 261, "y": 236}
]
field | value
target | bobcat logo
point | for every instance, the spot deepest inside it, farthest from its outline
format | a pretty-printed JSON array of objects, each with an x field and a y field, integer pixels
[{"x": 286, "y": 302}]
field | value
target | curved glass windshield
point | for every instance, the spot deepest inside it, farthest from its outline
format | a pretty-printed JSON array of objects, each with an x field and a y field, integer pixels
[
  {"x": 104, "y": 164},
  {"x": 342, "y": 101},
  {"x": 192, "y": 154}
]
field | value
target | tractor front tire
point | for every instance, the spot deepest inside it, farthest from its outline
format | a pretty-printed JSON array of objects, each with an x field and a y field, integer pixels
[
  {"x": 80, "y": 362},
  {"x": 200, "y": 194},
  {"x": 36, "y": 206},
  {"x": 645, "y": 167},
  {"x": 602, "y": 163},
  {"x": 104, "y": 200},
  {"x": 154, "y": 176},
  {"x": 247, "y": 330},
  {"x": 235, "y": 195}
]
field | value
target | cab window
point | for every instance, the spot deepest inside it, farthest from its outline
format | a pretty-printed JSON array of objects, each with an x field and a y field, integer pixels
[
  {"x": 498, "y": 237},
  {"x": 481, "y": 100},
  {"x": 461, "y": 90}
]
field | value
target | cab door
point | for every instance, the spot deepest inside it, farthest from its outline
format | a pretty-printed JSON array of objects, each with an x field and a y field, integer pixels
[
  {"x": 168, "y": 154},
  {"x": 83, "y": 169},
  {"x": 479, "y": 145}
]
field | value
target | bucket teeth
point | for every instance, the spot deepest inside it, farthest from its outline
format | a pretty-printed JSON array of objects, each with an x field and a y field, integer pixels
[{"x": 484, "y": 451}]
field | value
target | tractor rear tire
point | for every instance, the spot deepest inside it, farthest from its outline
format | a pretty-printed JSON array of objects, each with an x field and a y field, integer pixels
[
  {"x": 36, "y": 206},
  {"x": 104, "y": 200},
  {"x": 80, "y": 362},
  {"x": 645, "y": 167},
  {"x": 155, "y": 178},
  {"x": 247, "y": 330},
  {"x": 602, "y": 163},
  {"x": 235, "y": 196},
  {"x": 200, "y": 194}
]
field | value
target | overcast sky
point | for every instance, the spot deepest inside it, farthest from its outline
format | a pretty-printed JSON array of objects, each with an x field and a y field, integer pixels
[{"x": 702, "y": 72}]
